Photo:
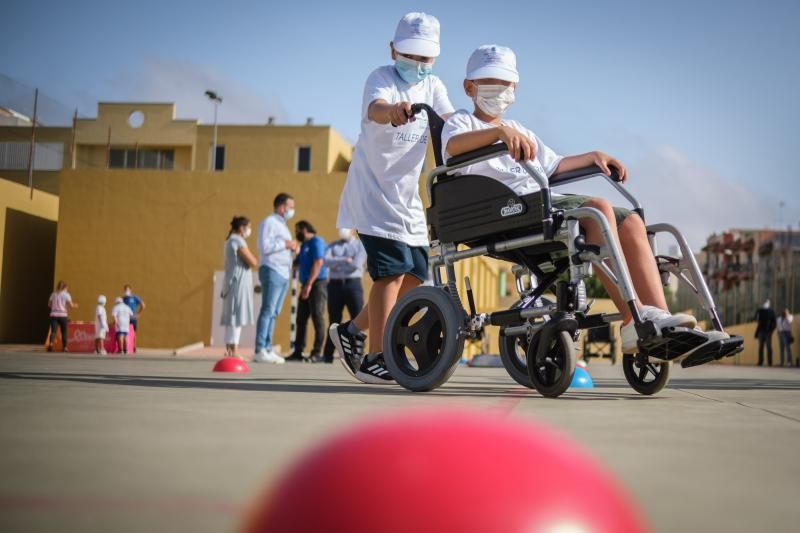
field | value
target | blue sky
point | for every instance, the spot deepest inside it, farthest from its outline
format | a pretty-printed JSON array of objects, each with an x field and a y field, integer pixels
[{"x": 699, "y": 98}]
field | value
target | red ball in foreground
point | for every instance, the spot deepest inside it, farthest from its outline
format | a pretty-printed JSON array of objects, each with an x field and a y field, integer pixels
[
  {"x": 231, "y": 364},
  {"x": 446, "y": 471}
]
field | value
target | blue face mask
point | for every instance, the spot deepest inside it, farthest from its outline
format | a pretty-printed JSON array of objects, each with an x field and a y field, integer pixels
[{"x": 412, "y": 71}]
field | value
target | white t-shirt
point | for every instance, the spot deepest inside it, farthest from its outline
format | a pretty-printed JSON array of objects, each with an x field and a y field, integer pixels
[
  {"x": 381, "y": 194},
  {"x": 58, "y": 303},
  {"x": 122, "y": 316},
  {"x": 100, "y": 322},
  {"x": 503, "y": 168}
]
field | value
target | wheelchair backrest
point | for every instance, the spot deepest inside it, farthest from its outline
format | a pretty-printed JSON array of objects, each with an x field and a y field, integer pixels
[{"x": 470, "y": 209}]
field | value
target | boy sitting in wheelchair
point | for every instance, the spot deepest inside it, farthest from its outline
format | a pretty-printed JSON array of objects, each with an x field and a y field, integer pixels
[{"x": 490, "y": 82}]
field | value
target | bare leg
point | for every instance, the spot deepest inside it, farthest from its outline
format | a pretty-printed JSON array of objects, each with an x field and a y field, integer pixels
[
  {"x": 382, "y": 297},
  {"x": 641, "y": 263},
  {"x": 594, "y": 236}
]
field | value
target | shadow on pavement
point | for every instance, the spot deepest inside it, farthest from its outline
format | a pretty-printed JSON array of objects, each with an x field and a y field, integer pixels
[{"x": 316, "y": 386}]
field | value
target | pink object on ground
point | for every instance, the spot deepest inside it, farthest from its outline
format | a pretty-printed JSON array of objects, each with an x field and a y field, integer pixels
[
  {"x": 445, "y": 471},
  {"x": 80, "y": 338},
  {"x": 231, "y": 364}
]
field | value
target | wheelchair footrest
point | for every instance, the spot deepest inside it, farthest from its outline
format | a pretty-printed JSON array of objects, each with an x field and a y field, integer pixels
[
  {"x": 713, "y": 350},
  {"x": 731, "y": 347},
  {"x": 672, "y": 344},
  {"x": 702, "y": 355}
]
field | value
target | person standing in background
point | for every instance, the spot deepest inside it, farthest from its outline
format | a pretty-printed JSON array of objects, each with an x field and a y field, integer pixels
[
  {"x": 785, "y": 339},
  {"x": 100, "y": 326},
  {"x": 313, "y": 276},
  {"x": 237, "y": 288},
  {"x": 137, "y": 306},
  {"x": 122, "y": 324},
  {"x": 58, "y": 302},
  {"x": 766, "y": 325},
  {"x": 345, "y": 260},
  {"x": 275, "y": 247}
]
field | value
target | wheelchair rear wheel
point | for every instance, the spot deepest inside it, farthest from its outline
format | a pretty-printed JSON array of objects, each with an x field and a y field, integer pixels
[
  {"x": 513, "y": 354},
  {"x": 552, "y": 376},
  {"x": 645, "y": 378},
  {"x": 423, "y": 340}
]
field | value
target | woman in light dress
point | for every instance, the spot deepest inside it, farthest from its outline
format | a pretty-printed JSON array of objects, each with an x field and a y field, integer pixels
[{"x": 237, "y": 288}]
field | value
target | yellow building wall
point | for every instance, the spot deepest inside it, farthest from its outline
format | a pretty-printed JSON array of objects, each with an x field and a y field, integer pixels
[
  {"x": 340, "y": 152},
  {"x": 160, "y": 128},
  {"x": 15, "y": 196},
  {"x": 265, "y": 148},
  {"x": 43, "y": 180},
  {"x": 163, "y": 232}
]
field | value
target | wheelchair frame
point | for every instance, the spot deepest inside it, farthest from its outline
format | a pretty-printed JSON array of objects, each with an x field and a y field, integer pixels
[{"x": 569, "y": 313}]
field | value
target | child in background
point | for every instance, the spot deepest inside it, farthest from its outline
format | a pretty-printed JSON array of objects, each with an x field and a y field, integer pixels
[
  {"x": 122, "y": 318},
  {"x": 100, "y": 325}
]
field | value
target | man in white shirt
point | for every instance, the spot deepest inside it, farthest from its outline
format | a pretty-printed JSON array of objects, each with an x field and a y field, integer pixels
[
  {"x": 381, "y": 199},
  {"x": 275, "y": 247}
]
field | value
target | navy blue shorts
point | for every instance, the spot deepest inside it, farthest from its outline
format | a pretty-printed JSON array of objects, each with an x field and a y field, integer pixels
[{"x": 388, "y": 258}]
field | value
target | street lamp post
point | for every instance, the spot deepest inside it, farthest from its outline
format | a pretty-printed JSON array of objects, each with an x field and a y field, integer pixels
[{"x": 217, "y": 99}]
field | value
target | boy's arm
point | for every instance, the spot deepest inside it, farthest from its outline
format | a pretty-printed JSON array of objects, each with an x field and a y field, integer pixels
[
  {"x": 383, "y": 112},
  {"x": 520, "y": 146},
  {"x": 602, "y": 160}
]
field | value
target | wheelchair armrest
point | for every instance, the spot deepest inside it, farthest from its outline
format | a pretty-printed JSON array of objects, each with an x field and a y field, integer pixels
[
  {"x": 579, "y": 174},
  {"x": 479, "y": 153}
]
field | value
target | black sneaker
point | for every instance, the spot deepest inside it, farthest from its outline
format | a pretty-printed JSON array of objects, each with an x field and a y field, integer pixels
[
  {"x": 374, "y": 372},
  {"x": 349, "y": 346}
]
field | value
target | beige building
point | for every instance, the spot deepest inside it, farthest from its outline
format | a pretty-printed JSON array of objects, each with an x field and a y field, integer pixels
[{"x": 139, "y": 204}]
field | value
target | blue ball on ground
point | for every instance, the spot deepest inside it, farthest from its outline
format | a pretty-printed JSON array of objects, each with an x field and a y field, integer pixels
[{"x": 581, "y": 379}]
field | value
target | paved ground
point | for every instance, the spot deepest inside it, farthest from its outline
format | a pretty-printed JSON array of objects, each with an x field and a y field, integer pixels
[{"x": 89, "y": 444}]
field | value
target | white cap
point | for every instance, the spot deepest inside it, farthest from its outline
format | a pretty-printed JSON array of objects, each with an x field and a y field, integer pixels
[
  {"x": 417, "y": 34},
  {"x": 493, "y": 61},
  {"x": 101, "y": 300}
]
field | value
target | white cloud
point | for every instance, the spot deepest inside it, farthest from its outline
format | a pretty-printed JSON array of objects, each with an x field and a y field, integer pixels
[
  {"x": 185, "y": 83},
  {"x": 699, "y": 201}
]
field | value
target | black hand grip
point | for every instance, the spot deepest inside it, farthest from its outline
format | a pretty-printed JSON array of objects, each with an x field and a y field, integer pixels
[
  {"x": 416, "y": 108},
  {"x": 475, "y": 154}
]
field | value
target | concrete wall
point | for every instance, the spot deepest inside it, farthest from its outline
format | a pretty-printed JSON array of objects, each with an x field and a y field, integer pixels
[{"x": 27, "y": 232}]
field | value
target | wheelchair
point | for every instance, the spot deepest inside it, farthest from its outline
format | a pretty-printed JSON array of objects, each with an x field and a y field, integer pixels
[{"x": 470, "y": 216}]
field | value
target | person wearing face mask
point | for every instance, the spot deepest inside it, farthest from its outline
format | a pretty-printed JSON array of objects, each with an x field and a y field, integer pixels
[
  {"x": 313, "y": 275},
  {"x": 491, "y": 83},
  {"x": 237, "y": 287},
  {"x": 345, "y": 260},
  {"x": 766, "y": 324},
  {"x": 275, "y": 247},
  {"x": 137, "y": 307},
  {"x": 380, "y": 199}
]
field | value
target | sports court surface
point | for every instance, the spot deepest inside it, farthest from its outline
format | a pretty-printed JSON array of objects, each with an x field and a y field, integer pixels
[{"x": 163, "y": 444}]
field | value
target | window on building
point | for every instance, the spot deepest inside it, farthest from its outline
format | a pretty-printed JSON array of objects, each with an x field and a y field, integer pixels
[
  {"x": 303, "y": 159},
  {"x": 219, "y": 162},
  {"x": 15, "y": 155},
  {"x": 142, "y": 158}
]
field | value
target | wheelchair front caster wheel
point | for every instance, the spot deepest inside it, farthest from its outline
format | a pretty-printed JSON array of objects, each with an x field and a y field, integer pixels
[
  {"x": 423, "y": 339},
  {"x": 513, "y": 354},
  {"x": 552, "y": 375},
  {"x": 645, "y": 377}
]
